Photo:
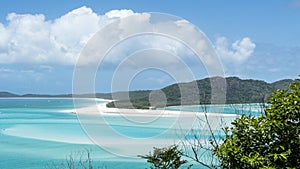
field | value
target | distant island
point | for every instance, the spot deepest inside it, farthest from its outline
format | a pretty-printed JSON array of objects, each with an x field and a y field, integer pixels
[
  {"x": 97, "y": 95},
  {"x": 237, "y": 91}
]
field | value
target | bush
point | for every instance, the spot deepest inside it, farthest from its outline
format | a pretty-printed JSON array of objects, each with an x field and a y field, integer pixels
[
  {"x": 165, "y": 158},
  {"x": 271, "y": 140}
]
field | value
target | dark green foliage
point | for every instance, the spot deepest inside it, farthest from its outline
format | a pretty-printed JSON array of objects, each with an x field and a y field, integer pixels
[
  {"x": 134, "y": 103},
  {"x": 165, "y": 158},
  {"x": 281, "y": 84},
  {"x": 247, "y": 91},
  {"x": 237, "y": 91},
  {"x": 269, "y": 141}
]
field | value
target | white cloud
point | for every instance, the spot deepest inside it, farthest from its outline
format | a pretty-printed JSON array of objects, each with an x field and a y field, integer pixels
[
  {"x": 162, "y": 51},
  {"x": 30, "y": 38},
  {"x": 237, "y": 52},
  {"x": 172, "y": 35},
  {"x": 119, "y": 13}
]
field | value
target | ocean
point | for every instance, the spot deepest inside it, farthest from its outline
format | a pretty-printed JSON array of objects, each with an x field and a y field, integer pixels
[{"x": 38, "y": 133}]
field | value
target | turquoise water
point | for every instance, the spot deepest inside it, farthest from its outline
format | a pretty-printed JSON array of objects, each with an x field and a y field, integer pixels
[
  {"x": 35, "y": 133},
  {"x": 252, "y": 108}
]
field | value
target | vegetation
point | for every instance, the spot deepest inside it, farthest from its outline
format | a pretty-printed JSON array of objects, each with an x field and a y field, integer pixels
[
  {"x": 271, "y": 140},
  {"x": 238, "y": 91},
  {"x": 165, "y": 158}
]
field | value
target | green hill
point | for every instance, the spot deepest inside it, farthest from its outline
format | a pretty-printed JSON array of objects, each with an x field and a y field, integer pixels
[{"x": 237, "y": 91}]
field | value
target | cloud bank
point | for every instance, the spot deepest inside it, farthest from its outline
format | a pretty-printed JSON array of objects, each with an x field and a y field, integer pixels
[{"x": 31, "y": 39}]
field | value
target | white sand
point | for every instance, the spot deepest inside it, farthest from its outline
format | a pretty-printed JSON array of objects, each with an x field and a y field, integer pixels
[{"x": 101, "y": 109}]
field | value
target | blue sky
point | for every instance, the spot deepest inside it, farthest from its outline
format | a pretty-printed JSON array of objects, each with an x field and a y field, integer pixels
[{"x": 254, "y": 39}]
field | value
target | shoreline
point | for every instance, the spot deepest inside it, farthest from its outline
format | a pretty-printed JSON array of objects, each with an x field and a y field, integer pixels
[{"x": 101, "y": 109}]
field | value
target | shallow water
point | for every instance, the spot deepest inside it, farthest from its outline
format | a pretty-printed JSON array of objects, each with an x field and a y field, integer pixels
[{"x": 35, "y": 133}]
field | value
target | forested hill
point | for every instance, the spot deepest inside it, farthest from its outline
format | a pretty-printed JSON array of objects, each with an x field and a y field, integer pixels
[
  {"x": 251, "y": 91},
  {"x": 237, "y": 91},
  {"x": 7, "y": 94}
]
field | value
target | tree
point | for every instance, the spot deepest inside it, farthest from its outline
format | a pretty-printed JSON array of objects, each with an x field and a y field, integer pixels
[
  {"x": 271, "y": 140},
  {"x": 165, "y": 158}
]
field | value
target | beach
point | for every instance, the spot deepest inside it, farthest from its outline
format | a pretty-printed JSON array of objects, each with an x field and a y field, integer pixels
[
  {"x": 57, "y": 128},
  {"x": 101, "y": 109}
]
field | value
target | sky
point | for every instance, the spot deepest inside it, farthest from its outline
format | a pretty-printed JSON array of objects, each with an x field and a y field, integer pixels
[{"x": 41, "y": 41}]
